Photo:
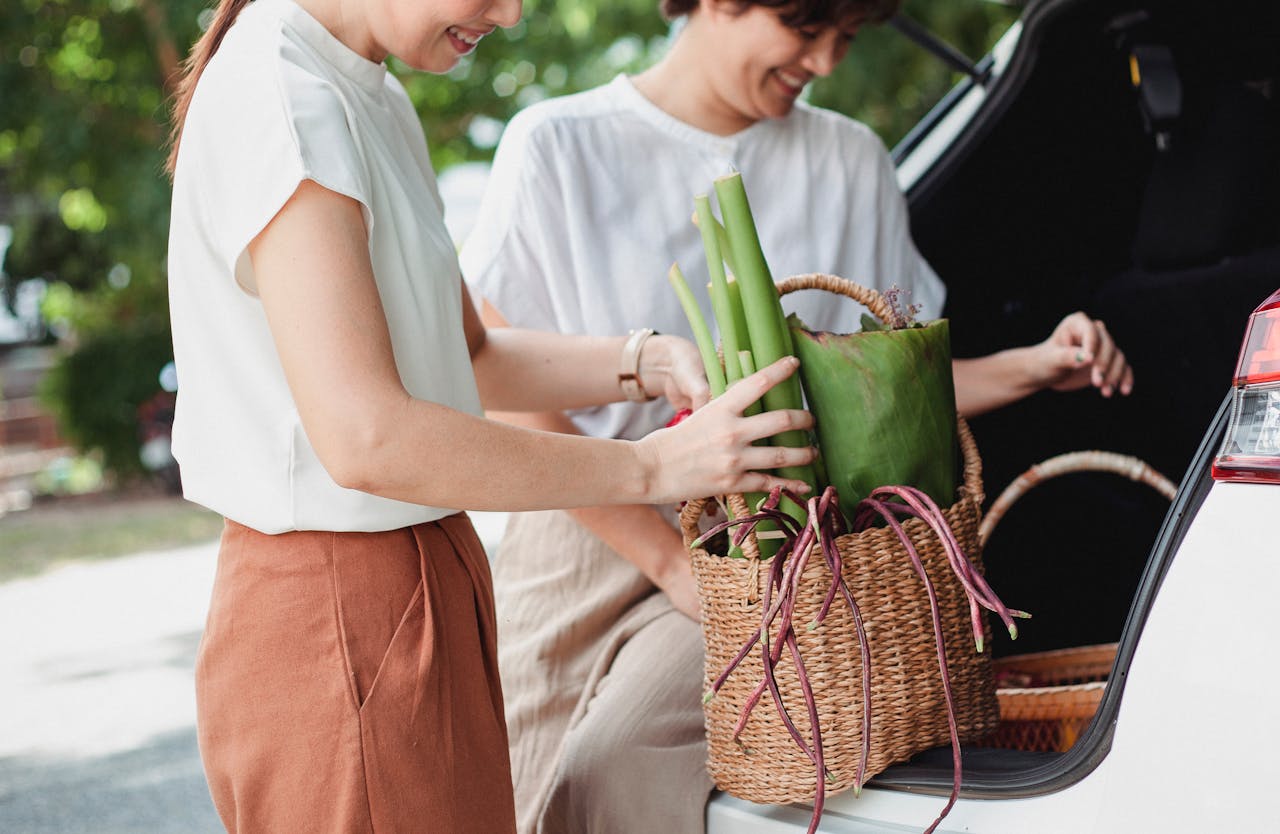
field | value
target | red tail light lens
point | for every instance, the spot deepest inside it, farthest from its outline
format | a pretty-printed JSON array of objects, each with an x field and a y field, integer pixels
[
  {"x": 1260, "y": 356},
  {"x": 1251, "y": 449}
]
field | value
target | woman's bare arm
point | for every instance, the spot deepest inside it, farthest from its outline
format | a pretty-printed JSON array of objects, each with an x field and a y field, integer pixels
[
  {"x": 317, "y": 287},
  {"x": 636, "y": 532},
  {"x": 528, "y": 370},
  {"x": 1079, "y": 353}
]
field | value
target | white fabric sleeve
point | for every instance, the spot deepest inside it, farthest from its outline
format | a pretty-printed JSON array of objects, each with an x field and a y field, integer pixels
[
  {"x": 505, "y": 259},
  {"x": 282, "y": 131},
  {"x": 896, "y": 251}
]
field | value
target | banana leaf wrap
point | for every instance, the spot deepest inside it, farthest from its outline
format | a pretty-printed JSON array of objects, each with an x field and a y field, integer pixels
[{"x": 884, "y": 406}]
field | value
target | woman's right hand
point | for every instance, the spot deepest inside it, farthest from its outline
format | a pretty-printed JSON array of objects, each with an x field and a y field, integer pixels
[{"x": 711, "y": 452}]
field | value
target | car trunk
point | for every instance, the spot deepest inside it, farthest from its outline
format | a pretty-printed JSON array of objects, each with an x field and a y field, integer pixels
[{"x": 1064, "y": 193}]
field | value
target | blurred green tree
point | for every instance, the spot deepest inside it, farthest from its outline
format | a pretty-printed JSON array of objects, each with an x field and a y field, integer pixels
[
  {"x": 84, "y": 122},
  {"x": 82, "y": 129}
]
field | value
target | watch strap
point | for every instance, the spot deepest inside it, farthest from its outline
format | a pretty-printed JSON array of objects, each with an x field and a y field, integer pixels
[{"x": 629, "y": 370}]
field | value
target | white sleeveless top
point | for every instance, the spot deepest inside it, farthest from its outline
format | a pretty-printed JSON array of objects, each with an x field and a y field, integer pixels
[{"x": 283, "y": 101}]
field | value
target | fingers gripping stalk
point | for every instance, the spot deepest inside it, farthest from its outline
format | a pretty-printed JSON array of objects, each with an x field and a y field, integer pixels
[{"x": 712, "y": 452}]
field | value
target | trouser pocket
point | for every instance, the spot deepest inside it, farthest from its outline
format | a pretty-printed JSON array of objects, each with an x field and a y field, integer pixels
[{"x": 377, "y": 586}]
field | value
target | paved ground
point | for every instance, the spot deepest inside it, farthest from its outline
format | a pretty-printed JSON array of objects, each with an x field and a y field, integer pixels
[{"x": 97, "y": 712}]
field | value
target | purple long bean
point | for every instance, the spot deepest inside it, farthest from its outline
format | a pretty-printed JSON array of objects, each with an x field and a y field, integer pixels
[{"x": 945, "y": 675}]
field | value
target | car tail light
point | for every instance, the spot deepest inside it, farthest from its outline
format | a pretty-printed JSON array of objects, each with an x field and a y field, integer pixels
[{"x": 1251, "y": 450}]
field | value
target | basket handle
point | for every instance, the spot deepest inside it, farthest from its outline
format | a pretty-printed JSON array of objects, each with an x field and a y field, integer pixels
[
  {"x": 876, "y": 303},
  {"x": 972, "y": 462},
  {"x": 692, "y": 512},
  {"x": 869, "y": 298},
  {"x": 1091, "y": 461}
]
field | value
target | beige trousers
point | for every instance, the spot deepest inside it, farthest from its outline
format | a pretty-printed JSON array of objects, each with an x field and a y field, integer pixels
[{"x": 603, "y": 680}]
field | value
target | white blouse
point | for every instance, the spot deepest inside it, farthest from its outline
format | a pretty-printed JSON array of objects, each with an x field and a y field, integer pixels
[
  {"x": 590, "y": 199},
  {"x": 284, "y": 101}
]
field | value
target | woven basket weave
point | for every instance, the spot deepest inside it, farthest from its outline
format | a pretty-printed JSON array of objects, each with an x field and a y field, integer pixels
[
  {"x": 908, "y": 711},
  {"x": 1048, "y": 698}
]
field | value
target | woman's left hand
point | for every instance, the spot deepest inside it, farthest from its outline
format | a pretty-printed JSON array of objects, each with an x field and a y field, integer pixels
[
  {"x": 1080, "y": 352},
  {"x": 671, "y": 367}
]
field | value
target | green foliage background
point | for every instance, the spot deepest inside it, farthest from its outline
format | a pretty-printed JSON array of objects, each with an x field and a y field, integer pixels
[{"x": 83, "y": 125}]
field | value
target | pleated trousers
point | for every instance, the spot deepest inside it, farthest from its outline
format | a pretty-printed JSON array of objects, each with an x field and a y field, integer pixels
[{"x": 348, "y": 682}]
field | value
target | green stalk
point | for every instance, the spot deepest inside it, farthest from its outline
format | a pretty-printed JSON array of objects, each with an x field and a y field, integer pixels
[
  {"x": 722, "y": 239},
  {"x": 819, "y": 466},
  {"x": 719, "y": 291},
  {"x": 748, "y": 363},
  {"x": 739, "y": 316},
  {"x": 701, "y": 335},
  {"x": 768, "y": 546},
  {"x": 770, "y": 337},
  {"x": 732, "y": 366}
]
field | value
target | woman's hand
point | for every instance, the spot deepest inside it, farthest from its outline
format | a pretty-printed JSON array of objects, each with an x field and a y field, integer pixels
[
  {"x": 711, "y": 452},
  {"x": 1081, "y": 352},
  {"x": 671, "y": 367}
]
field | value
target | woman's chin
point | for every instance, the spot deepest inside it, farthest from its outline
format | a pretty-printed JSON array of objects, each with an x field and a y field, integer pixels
[
  {"x": 432, "y": 65},
  {"x": 779, "y": 109}
]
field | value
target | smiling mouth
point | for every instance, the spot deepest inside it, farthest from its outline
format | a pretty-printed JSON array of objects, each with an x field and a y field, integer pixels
[
  {"x": 794, "y": 83},
  {"x": 469, "y": 38}
]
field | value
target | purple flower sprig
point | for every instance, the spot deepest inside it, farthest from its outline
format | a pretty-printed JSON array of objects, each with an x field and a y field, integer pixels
[{"x": 902, "y": 315}]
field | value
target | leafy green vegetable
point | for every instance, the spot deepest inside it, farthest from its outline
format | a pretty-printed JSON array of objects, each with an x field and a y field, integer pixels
[{"x": 884, "y": 405}]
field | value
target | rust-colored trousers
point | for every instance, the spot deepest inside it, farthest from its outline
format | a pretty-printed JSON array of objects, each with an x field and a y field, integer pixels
[{"x": 348, "y": 682}]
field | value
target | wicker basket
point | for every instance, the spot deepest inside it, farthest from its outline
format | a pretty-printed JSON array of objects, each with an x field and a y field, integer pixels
[
  {"x": 1048, "y": 698},
  {"x": 908, "y": 707}
]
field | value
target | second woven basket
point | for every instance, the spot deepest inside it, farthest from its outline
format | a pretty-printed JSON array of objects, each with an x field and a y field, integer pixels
[{"x": 1048, "y": 698}]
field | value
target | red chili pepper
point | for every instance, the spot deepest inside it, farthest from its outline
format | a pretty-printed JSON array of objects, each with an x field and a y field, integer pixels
[{"x": 680, "y": 416}]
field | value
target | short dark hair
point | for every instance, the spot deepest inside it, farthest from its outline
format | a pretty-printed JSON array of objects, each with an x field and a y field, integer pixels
[{"x": 800, "y": 13}]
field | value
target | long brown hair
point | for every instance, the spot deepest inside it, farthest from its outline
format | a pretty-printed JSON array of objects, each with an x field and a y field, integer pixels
[{"x": 223, "y": 17}]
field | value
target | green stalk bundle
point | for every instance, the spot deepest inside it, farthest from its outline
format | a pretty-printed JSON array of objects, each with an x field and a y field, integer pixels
[{"x": 766, "y": 328}]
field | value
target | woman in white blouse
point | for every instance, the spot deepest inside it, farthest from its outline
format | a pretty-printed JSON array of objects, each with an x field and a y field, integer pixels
[
  {"x": 333, "y": 374},
  {"x": 588, "y": 204}
]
